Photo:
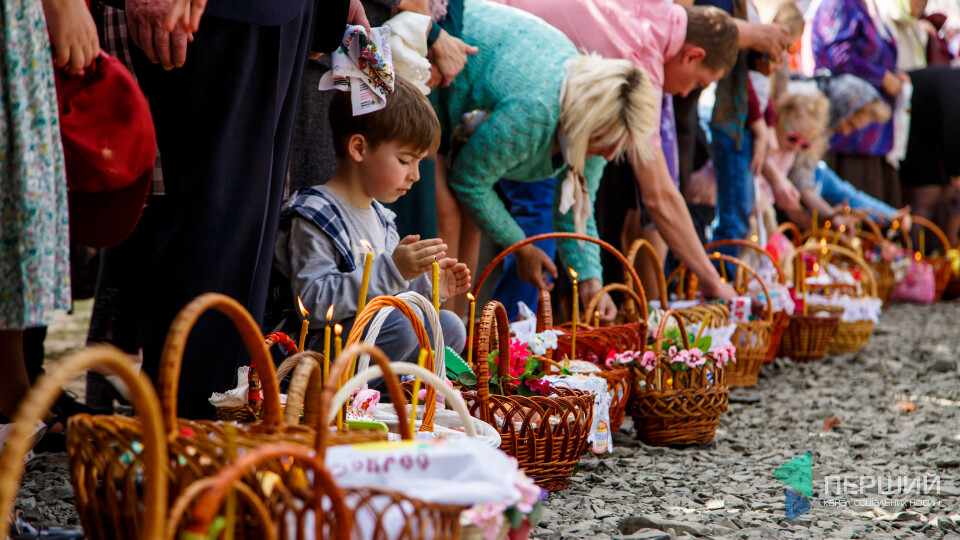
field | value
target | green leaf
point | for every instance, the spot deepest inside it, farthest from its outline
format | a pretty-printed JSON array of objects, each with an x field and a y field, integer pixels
[
  {"x": 704, "y": 344},
  {"x": 532, "y": 367},
  {"x": 525, "y": 390},
  {"x": 536, "y": 514},
  {"x": 565, "y": 371},
  {"x": 515, "y": 516},
  {"x": 467, "y": 378},
  {"x": 493, "y": 369}
]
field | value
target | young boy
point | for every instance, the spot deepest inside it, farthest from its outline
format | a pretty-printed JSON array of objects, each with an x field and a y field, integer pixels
[{"x": 320, "y": 246}]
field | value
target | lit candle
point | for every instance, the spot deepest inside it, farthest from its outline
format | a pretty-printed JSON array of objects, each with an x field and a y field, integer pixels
[
  {"x": 337, "y": 349},
  {"x": 367, "y": 261},
  {"x": 576, "y": 319},
  {"x": 836, "y": 235},
  {"x": 421, "y": 361},
  {"x": 303, "y": 325},
  {"x": 436, "y": 285},
  {"x": 596, "y": 319},
  {"x": 723, "y": 266},
  {"x": 473, "y": 311},
  {"x": 326, "y": 343}
]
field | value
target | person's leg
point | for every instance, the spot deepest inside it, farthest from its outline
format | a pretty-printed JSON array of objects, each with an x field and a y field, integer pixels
[
  {"x": 531, "y": 204},
  {"x": 15, "y": 382},
  {"x": 33, "y": 351},
  {"x": 454, "y": 332},
  {"x": 735, "y": 187},
  {"x": 223, "y": 123}
]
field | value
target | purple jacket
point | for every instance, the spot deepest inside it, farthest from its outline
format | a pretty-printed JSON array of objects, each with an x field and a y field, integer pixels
[{"x": 845, "y": 39}]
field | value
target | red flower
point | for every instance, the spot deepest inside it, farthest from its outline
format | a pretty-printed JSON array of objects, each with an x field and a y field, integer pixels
[
  {"x": 540, "y": 386},
  {"x": 519, "y": 353}
]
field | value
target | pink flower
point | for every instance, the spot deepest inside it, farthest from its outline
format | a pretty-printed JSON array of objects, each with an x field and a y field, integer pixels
[
  {"x": 529, "y": 493},
  {"x": 672, "y": 351},
  {"x": 366, "y": 400},
  {"x": 611, "y": 356},
  {"x": 488, "y": 517},
  {"x": 540, "y": 386},
  {"x": 722, "y": 357},
  {"x": 681, "y": 357},
  {"x": 695, "y": 359},
  {"x": 519, "y": 353},
  {"x": 732, "y": 351},
  {"x": 649, "y": 361}
]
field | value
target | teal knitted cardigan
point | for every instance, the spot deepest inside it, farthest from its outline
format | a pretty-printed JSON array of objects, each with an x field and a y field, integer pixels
[{"x": 516, "y": 76}]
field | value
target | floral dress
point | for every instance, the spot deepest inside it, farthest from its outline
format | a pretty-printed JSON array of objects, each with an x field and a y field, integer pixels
[{"x": 34, "y": 232}]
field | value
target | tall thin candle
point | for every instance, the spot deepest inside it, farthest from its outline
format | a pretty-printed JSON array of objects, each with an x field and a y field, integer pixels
[
  {"x": 303, "y": 325},
  {"x": 326, "y": 344},
  {"x": 473, "y": 312},
  {"x": 815, "y": 222},
  {"x": 576, "y": 319},
  {"x": 337, "y": 349},
  {"x": 421, "y": 361},
  {"x": 923, "y": 252},
  {"x": 436, "y": 284},
  {"x": 367, "y": 262}
]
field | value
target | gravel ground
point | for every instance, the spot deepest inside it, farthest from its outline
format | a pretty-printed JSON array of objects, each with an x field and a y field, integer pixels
[{"x": 727, "y": 489}]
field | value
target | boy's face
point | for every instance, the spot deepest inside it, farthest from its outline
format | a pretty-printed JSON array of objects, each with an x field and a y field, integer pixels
[
  {"x": 389, "y": 170},
  {"x": 685, "y": 72}
]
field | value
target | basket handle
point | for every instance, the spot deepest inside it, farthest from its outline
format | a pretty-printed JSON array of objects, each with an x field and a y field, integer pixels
[
  {"x": 305, "y": 383},
  {"x": 658, "y": 343},
  {"x": 635, "y": 248},
  {"x": 544, "y": 311},
  {"x": 367, "y": 315},
  {"x": 172, "y": 357},
  {"x": 198, "y": 487},
  {"x": 789, "y": 226},
  {"x": 39, "y": 400},
  {"x": 338, "y": 368},
  {"x": 493, "y": 314},
  {"x": 405, "y": 368},
  {"x": 631, "y": 294},
  {"x": 742, "y": 264},
  {"x": 932, "y": 227},
  {"x": 866, "y": 270},
  {"x": 743, "y": 243},
  {"x": 561, "y": 236},
  {"x": 208, "y": 505}
]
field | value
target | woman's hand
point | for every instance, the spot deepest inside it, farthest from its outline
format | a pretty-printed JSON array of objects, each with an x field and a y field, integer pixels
[
  {"x": 532, "y": 264},
  {"x": 717, "y": 288},
  {"x": 454, "y": 278},
  {"x": 73, "y": 34},
  {"x": 893, "y": 81},
  {"x": 606, "y": 307},
  {"x": 185, "y": 13},
  {"x": 449, "y": 54}
]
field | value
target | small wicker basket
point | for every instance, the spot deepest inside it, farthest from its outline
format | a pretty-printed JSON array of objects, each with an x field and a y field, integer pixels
[
  {"x": 678, "y": 408},
  {"x": 547, "y": 434},
  {"x": 941, "y": 265}
]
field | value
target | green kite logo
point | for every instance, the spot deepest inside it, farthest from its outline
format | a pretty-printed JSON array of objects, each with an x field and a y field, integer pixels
[{"x": 798, "y": 476}]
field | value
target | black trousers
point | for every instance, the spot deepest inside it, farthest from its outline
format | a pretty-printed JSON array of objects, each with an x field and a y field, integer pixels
[{"x": 224, "y": 123}]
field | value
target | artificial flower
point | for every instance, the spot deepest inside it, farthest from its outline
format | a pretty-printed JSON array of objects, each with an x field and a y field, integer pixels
[
  {"x": 529, "y": 493},
  {"x": 722, "y": 357},
  {"x": 540, "y": 386},
  {"x": 649, "y": 361},
  {"x": 519, "y": 353},
  {"x": 488, "y": 517},
  {"x": 680, "y": 357},
  {"x": 611, "y": 356},
  {"x": 672, "y": 351},
  {"x": 695, "y": 358},
  {"x": 549, "y": 338}
]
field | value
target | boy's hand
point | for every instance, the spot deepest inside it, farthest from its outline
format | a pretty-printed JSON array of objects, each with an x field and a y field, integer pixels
[
  {"x": 413, "y": 256},
  {"x": 454, "y": 278}
]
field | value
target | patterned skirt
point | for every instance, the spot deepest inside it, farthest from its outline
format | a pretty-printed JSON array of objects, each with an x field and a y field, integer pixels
[{"x": 34, "y": 231}]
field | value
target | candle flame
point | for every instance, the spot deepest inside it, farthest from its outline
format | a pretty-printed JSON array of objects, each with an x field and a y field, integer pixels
[
  {"x": 366, "y": 244},
  {"x": 337, "y": 329},
  {"x": 917, "y": 255},
  {"x": 827, "y": 224},
  {"x": 823, "y": 241},
  {"x": 596, "y": 314},
  {"x": 843, "y": 228},
  {"x": 303, "y": 310},
  {"x": 846, "y": 209},
  {"x": 573, "y": 273},
  {"x": 754, "y": 238},
  {"x": 470, "y": 297},
  {"x": 330, "y": 312},
  {"x": 896, "y": 224},
  {"x": 716, "y": 254}
]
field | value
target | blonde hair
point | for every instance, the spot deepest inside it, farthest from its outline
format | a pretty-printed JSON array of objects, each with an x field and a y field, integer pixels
[
  {"x": 788, "y": 14},
  {"x": 612, "y": 102},
  {"x": 814, "y": 106}
]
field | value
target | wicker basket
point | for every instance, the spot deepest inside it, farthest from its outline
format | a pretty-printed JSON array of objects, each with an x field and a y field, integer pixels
[
  {"x": 941, "y": 266},
  {"x": 678, "y": 409},
  {"x": 103, "y": 454},
  {"x": 808, "y": 337},
  {"x": 245, "y": 413},
  {"x": 547, "y": 434},
  {"x": 630, "y": 335}
]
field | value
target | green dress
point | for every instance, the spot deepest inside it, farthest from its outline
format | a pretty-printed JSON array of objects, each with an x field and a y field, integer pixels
[
  {"x": 516, "y": 76},
  {"x": 34, "y": 232}
]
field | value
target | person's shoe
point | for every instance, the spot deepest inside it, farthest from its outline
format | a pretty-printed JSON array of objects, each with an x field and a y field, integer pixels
[{"x": 21, "y": 530}]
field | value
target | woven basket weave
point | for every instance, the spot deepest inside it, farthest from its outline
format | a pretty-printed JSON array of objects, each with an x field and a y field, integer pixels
[
  {"x": 941, "y": 266},
  {"x": 678, "y": 408},
  {"x": 547, "y": 434}
]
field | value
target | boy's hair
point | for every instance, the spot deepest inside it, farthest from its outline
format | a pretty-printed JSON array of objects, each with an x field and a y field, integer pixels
[
  {"x": 714, "y": 31},
  {"x": 814, "y": 105},
  {"x": 407, "y": 117},
  {"x": 611, "y": 101},
  {"x": 788, "y": 14}
]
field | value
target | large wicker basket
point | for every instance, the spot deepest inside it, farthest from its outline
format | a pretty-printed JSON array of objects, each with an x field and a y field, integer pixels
[
  {"x": 547, "y": 434},
  {"x": 678, "y": 408},
  {"x": 942, "y": 270}
]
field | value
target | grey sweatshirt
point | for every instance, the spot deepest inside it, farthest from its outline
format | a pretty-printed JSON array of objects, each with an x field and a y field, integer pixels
[{"x": 306, "y": 255}]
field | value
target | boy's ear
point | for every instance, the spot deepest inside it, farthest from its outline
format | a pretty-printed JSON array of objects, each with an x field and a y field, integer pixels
[
  {"x": 693, "y": 53},
  {"x": 357, "y": 147}
]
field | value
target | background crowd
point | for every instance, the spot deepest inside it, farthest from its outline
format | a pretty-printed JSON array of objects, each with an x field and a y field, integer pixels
[{"x": 619, "y": 119}]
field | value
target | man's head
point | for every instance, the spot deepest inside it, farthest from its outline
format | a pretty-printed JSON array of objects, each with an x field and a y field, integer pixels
[
  {"x": 385, "y": 146},
  {"x": 708, "y": 53}
]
